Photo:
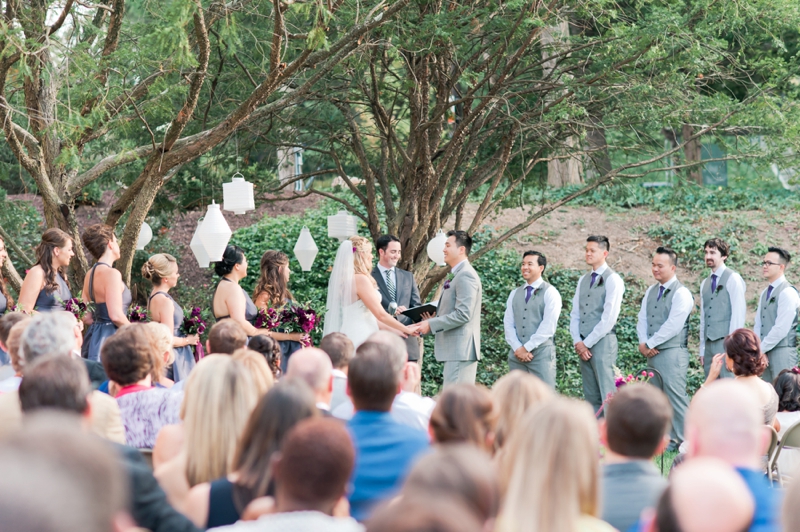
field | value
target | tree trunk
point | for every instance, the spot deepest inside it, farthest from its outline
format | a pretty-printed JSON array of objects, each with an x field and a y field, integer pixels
[
  {"x": 692, "y": 152},
  {"x": 567, "y": 171}
]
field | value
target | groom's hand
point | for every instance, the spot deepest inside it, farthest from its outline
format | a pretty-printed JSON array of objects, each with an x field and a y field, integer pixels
[{"x": 423, "y": 327}]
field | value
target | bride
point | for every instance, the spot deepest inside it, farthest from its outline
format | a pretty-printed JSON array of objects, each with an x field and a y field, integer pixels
[{"x": 354, "y": 302}]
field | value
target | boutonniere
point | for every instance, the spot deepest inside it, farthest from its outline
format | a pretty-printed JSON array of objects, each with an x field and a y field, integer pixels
[
  {"x": 667, "y": 291},
  {"x": 535, "y": 291},
  {"x": 771, "y": 300},
  {"x": 599, "y": 282},
  {"x": 450, "y": 277},
  {"x": 719, "y": 288}
]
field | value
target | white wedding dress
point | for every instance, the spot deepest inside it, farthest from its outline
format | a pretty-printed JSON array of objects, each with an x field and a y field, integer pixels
[{"x": 346, "y": 313}]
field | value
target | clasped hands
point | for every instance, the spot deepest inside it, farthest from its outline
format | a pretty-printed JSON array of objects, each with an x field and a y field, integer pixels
[
  {"x": 583, "y": 351},
  {"x": 646, "y": 351},
  {"x": 422, "y": 327}
]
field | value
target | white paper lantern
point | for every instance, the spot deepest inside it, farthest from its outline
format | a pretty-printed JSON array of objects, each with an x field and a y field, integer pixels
[
  {"x": 145, "y": 236},
  {"x": 238, "y": 195},
  {"x": 342, "y": 226},
  {"x": 305, "y": 249},
  {"x": 198, "y": 249},
  {"x": 214, "y": 233},
  {"x": 436, "y": 248}
]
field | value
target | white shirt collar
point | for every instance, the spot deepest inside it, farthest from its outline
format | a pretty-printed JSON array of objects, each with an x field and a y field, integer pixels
[
  {"x": 383, "y": 269},
  {"x": 536, "y": 284},
  {"x": 670, "y": 282},
  {"x": 339, "y": 373},
  {"x": 323, "y": 406},
  {"x": 457, "y": 266},
  {"x": 719, "y": 271},
  {"x": 601, "y": 269},
  {"x": 780, "y": 281}
]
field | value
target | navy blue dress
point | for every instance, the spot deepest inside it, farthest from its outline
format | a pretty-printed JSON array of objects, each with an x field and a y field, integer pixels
[
  {"x": 184, "y": 356},
  {"x": 288, "y": 348},
  {"x": 250, "y": 309},
  {"x": 55, "y": 300},
  {"x": 4, "y": 358},
  {"x": 102, "y": 327}
]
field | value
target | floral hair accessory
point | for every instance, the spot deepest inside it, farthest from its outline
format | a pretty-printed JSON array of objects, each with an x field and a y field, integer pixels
[
  {"x": 795, "y": 370},
  {"x": 354, "y": 249}
]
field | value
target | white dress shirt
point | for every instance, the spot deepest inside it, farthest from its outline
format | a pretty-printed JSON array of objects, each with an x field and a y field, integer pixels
[
  {"x": 736, "y": 289},
  {"x": 788, "y": 303},
  {"x": 615, "y": 288},
  {"x": 408, "y": 409},
  {"x": 546, "y": 329},
  {"x": 455, "y": 268},
  {"x": 682, "y": 305},
  {"x": 392, "y": 274}
]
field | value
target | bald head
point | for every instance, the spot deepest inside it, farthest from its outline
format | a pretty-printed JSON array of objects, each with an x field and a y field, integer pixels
[
  {"x": 705, "y": 495},
  {"x": 726, "y": 421},
  {"x": 313, "y": 366}
]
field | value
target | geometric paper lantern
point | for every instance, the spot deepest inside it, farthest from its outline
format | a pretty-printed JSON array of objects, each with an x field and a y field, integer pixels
[
  {"x": 305, "y": 249},
  {"x": 145, "y": 236},
  {"x": 238, "y": 195},
  {"x": 214, "y": 233},
  {"x": 198, "y": 249},
  {"x": 342, "y": 226},
  {"x": 436, "y": 248}
]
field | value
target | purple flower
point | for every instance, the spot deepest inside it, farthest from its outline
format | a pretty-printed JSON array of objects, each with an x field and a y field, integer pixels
[{"x": 447, "y": 284}]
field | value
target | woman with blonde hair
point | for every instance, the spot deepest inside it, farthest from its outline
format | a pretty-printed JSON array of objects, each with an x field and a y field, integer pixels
[
  {"x": 257, "y": 365},
  {"x": 219, "y": 396},
  {"x": 162, "y": 272},
  {"x": 161, "y": 340},
  {"x": 550, "y": 471},
  {"x": 46, "y": 287},
  {"x": 354, "y": 302},
  {"x": 515, "y": 394}
]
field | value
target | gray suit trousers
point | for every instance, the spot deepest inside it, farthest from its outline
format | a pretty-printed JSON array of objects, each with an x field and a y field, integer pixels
[
  {"x": 779, "y": 358},
  {"x": 598, "y": 371},
  {"x": 458, "y": 371},
  {"x": 712, "y": 348},
  {"x": 672, "y": 364},
  {"x": 543, "y": 364}
]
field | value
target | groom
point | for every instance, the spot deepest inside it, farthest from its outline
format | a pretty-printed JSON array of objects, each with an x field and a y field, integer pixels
[{"x": 457, "y": 324}]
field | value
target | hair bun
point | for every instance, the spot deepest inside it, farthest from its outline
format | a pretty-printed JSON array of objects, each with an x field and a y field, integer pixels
[{"x": 148, "y": 271}]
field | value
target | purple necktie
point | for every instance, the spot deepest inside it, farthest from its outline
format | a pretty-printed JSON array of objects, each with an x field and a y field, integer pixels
[
  {"x": 769, "y": 292},
  {"x": 713, "y": 282},
  {"x": 660, "y": 293},
  {"x": 594, "y": 278},
  {"x": 529, "y": 290}
]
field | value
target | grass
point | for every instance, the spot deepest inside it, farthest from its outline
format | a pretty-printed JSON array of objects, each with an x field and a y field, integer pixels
[{"x": 664, "y": 462}]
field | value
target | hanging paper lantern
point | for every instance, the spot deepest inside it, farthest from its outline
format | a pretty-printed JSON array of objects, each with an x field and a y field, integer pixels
[
  {"x": 342, "y": 226},
  {"x": 238, "y": 195},
  {"x": 145, "y": 236},
  {"x": 214, "y": 233},
  {"x": 436, "y": 248},
  {"x": 305, "y": 249},
  {"x": 198, "y": 249}
]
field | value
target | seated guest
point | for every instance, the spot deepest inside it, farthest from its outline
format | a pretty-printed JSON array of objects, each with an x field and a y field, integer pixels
[
  {"x": 313, "y": 366},
  {"x": 270, "y": 349},
  {"x": 385, "y": 449},
  {"x": 225, "y": 337},
  {"x": 744, "y": 358},
  {"x": 464, "y": 413},
  {"x": 514, "y": 395},
  {"x": 635, "y": 429},
  {"x": 704, "y": 495},
  {"x": 340, "y": 349},
  {"x": 259, "y": 370},
  {"x": 311, "y": 474},
  {"x": 12, "y": 340},
  {"x": 129, "y": 358},
  {"x": 550, "y": 471},
  {"x": 424, "y": 514},
  {"x": 222, "y": 502},
  {"x": 787, "y": 386},
  {"x": 6, "y": 322},
  {"x": 161, "y": 337},
  {"x": 726, "y": 421},
  {"x": 460, "y": 472}
]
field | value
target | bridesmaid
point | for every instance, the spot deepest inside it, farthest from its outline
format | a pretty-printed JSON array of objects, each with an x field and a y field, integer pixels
[
  {"x": 45, "y": 288},
  {"x": 5, "y": 297},
  {"x": 162, "y": 271},
  {"x": 272, "y": 291},
  {"x": 104, "y": 288},
  {"x": 230, "y": 300}
]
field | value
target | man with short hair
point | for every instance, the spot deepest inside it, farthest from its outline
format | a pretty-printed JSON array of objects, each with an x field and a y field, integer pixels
[
  {"x": 313, "y": 366},
  {"x": 225, "y": 337},
  {"x": 457, "y": 324},
  {"x": 726, "y": 421},
  {"x": 593, "y": 321},
  {"x": 11, "y": 383},
  {"x": 399, "y": 290},
  {"x": 530, "y": 321},
  {"x": 385, "y": 449},
  {"x": 55, "y": 383},
  {"x": 663, "y": 331},
  {"x": 635, "y": 429},
  {"x": 776, "y": 317},
  {"x": 722, "y": 304},
  {"x": 340, "y": 349},
  {"x": 6, "y": 322}
]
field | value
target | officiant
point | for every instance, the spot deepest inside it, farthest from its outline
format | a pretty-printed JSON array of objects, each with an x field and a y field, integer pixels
[{"x": 399, "y": 290}]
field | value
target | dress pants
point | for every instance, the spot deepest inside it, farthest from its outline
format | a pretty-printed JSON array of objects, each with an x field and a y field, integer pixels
[
  {"x": 712, "y": 348},
  {"x": 673, "y": 363},
  {"x": 598, "y": 372},
  {"x": 543, "y": 364},
  {"x": 457, "y": 371},
  {"x": 779, "y": 358}
]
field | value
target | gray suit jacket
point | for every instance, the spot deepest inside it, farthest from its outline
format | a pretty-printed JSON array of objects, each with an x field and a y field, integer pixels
[
  {"x": 407, "y": 294},
  {"x": 457, "y": 324},
  {"x": 628, "y": 488}
]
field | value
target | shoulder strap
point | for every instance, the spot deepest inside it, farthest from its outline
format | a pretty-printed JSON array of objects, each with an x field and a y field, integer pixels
[
  {"x": 91, "y": 280},
  {"x": 159, "y": 292}
]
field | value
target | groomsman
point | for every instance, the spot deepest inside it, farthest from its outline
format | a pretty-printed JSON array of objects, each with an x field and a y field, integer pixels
[
  {"x": 776, "y": 317},
  {"x": 722, "y": 304},
  {"x": 593, "y": 320},
  {"x": 663, "y": 331},
  {"x": 530, "y": 321},
  {"x": 397, "y": 286}
]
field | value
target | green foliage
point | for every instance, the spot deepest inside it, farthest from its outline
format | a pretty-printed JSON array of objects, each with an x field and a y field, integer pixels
[{"x": 23, "y": 223}]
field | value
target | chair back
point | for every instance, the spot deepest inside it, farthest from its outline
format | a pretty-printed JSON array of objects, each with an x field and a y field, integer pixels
[
  {"x": 656, "y": 380},
  {"x": 773, "y": 442}
]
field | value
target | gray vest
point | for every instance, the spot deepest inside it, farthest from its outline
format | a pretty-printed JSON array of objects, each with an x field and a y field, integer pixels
[
  {"x": 769, "y": 314},
  {"x": 591, "y": 301},
  {"x": 528, "y": 316},
  {"x": 717, "y": 308},
  {"x": 658, "y": 312}
]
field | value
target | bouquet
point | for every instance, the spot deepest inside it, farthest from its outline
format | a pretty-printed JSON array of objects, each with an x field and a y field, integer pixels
[
  {"x": 295, "y": 318},
  {"x": 193, "y": 323},
  {"x": 267, "y": 318},
  {"x": 78, "y": 308},
  {"x": 620, "y": 380},
  {"x": 138, "y": 314}
]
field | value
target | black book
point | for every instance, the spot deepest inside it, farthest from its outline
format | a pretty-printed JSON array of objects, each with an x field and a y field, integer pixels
[{"x": 415, "y": 313}]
